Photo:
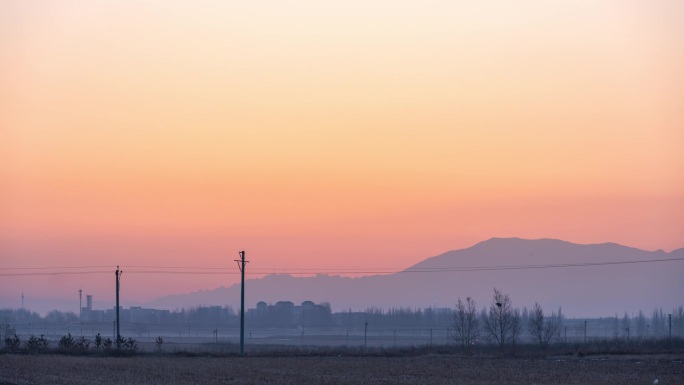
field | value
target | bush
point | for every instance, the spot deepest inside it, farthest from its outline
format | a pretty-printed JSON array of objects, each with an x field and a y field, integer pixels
[
  {"x": 98, "y": 342},
  {"x": 127, "y": 344},
  {"x": 120, "y": 342},
  {"x": 107, "y": 343},
  {"x": 131, "y": 345},
  {"x": 13, "y": 342},
  {"x": 82, "y": 344},
  {"x": 159, "y": 343},
  {"x": 67, "y": 342},
  {"x": 35, "y": 344}
]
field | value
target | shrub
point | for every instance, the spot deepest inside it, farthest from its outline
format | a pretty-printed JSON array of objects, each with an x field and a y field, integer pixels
[
  {"x": 130, "y": 344},
  {"x": 107, "y": 343},
  {"x": 67, "y": 342},
  {"x": 98, "y": 342},
  {"x": 159, "y": 343},
  {"x": 120, "y": 342},
  {"x": 127, "y": 344},
  {"x": 13, "y": 342},
  {"x": 82, "y": 344},
  {"x": 37, "y": 343}
]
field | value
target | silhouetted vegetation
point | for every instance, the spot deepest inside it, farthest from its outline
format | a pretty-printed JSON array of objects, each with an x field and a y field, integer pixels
[
  {"x": 13, "y": 342},
  {"x": 466, "y": 323},
  {"x": 503, "y": 322},
  {"x": 543, "y": 329},
  {"x": 36, "y": 344}
]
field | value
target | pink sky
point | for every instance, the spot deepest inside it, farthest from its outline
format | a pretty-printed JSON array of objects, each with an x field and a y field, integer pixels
[{"x": 328, "y": 136}]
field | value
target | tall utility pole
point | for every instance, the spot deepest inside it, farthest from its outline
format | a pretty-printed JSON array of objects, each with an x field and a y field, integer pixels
[
  {"x": 669, "y": 317},
  {"x": 22, "y": 299},
  {"x": 241, "y": 265},
  {"x": 80, "y": 304},
  {"x": 118, "y": 325}
]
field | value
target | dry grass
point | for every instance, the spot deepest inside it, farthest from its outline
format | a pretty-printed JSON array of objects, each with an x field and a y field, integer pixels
[{"x": 428, "y": 369}]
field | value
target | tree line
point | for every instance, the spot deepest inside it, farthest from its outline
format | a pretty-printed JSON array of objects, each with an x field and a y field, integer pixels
[{"x": 503, "y": 324}]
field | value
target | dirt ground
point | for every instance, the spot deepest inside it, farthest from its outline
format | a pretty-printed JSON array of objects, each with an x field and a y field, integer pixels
[{"x": 428, "y": 369}]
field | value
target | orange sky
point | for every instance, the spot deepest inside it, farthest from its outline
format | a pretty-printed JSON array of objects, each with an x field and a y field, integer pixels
[{"x": 331, "y": 134}]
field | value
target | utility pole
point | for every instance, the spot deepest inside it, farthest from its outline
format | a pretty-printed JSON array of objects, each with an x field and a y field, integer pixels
[
  {"x": 80, "y": 304},
  {"x": 669, "y": 318},
  {"x": 22, "y": 299},
  {"x": 365, "y": 335},
  {"x": 118, "y": 323},
  {"x": 241, "y": 265}
]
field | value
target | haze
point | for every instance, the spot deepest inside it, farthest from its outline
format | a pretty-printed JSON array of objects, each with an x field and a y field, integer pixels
[{"x": 320, "y": 135}]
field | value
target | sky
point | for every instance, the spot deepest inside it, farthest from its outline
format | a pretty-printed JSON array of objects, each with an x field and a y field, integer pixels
[{"x": 327, "y": 135}]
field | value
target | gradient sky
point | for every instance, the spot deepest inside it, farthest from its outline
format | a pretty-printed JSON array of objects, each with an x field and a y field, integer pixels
[{"x": 326, "y": 135}]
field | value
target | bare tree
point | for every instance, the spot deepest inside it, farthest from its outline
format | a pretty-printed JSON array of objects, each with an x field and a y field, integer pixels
[
  {"x": 502, "y": 322},
  {"x": 543, "y": 329},
  {"x": 516, "y": 326},
  {"x": 466, "y": 322}
]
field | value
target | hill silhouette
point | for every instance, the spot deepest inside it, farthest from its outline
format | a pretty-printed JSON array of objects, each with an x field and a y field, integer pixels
[{"x": 582, "y": 279}]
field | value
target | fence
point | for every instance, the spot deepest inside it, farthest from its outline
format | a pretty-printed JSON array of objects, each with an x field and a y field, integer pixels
[{"x": 361, "y": 335}]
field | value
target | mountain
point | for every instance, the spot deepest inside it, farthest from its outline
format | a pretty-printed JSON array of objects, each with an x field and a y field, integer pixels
[{"x": 582, "y": 279}]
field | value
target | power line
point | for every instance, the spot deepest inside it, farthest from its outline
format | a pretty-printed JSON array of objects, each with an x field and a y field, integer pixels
[
  {"x": 52, "y": 273},
  {"x": 54, "y": 267},
  {"x": 308, "y": 271}
]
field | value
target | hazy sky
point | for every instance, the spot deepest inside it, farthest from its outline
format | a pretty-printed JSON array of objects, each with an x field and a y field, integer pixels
[{"x": 329, "y": 134}]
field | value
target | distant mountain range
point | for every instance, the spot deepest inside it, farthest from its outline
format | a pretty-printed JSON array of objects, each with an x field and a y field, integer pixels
[{"x": 585, "y": 280}]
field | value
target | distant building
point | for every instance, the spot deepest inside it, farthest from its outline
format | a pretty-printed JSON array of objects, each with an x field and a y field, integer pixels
[{"x": 286, "y": 313}]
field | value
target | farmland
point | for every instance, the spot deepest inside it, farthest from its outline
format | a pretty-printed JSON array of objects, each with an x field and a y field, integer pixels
[{"x": 339, "y": 369}]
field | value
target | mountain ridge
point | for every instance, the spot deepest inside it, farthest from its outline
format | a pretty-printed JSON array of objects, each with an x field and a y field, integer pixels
[{"x": 599, "y": 290}]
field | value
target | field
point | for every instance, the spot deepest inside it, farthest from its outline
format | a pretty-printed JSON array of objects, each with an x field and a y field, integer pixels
[{"x": 425, "y": 369}]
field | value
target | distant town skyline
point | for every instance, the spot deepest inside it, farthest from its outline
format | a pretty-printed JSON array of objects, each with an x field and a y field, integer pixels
[{"x": 327, "y": 136}]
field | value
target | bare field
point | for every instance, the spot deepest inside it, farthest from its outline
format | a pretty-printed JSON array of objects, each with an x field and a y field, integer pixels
[{"x": 427, "y": 369}]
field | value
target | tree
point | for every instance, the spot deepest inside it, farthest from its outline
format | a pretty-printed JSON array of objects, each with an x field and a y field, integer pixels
[
  {"x": 13, "y": 342},
  {"x": 466, "y": 323},
  {"x": 82, "y": 344},
  {"x": 625, "y": 325},
  {"x": 502, "y": 322},
  {"x": 98, "y": 342},
  {"x": 120, "y": 342},
  {"x": 516, "y": 326},
  {"x": 35, "y": 344},
  {"x": 130, "y": 344},
  {"x": 543, "y": 329},
  {"x": 641, "y": 325},
  {"x": 67, "y": 342}
]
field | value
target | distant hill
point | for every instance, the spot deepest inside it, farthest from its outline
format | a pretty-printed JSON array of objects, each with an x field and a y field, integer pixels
[{"x": 555, "y": 275}]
